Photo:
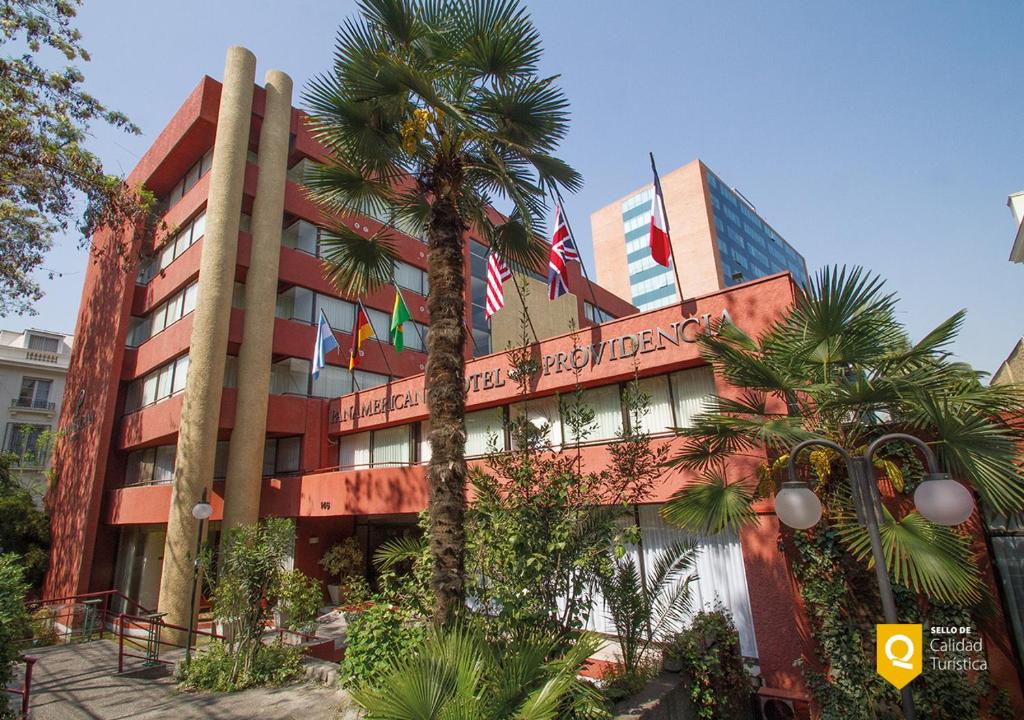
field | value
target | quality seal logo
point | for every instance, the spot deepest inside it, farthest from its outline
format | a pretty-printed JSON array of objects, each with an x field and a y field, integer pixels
[{"x": 898, "y": 653}]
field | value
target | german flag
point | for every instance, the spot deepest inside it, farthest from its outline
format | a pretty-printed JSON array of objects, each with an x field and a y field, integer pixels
[{"x": 361, "y": 330}]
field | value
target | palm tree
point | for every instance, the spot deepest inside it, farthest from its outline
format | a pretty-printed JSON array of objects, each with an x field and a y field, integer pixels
[
  {"x": 431, "y": 111},
  {"x": 840, "y": 365},
  {"x": 458, "y": 673}
]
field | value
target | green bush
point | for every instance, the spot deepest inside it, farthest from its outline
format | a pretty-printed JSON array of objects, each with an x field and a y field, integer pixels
[
  {"x": 14, "y": 623},
  {"x": 299, "y": 600},
  {"x": 710, "y": 651},
  {"x": 216, "y": 666},
  {"x": 376, "y": 640}
]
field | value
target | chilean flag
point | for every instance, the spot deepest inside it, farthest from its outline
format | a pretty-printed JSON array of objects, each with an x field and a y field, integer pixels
[{"x": 661, "y": 245}]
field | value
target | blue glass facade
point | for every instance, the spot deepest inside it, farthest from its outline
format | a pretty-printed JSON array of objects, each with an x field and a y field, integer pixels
[
  {"x": 651, "y": 285},
  {"x": 748, "y": 246}
]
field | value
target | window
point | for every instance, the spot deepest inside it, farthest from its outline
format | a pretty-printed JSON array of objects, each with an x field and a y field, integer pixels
[
  {"x": 157, "y": 385},
  {"x": 25, "y": 441},
  {"x": 296, "y": 303},
  {"x": 596, "y": 314},
  {"x": 332, "y": 381},
  {"x": 173, "y": 248},
  {"x": 340, "y": 314},
  {"x": 424, "y": 448},
  {"x": 290, "y": 377},
  {"x": 607, "y": 407},
  {"x": 35, "y": 393},
  {"x": 415, "y": 335},
  {"x": 481, "y": 329},
  {"x": 354, "y": 451},
  {"x": 151, "y": 465},
  {"x": 43, "y": 344},
  {"x": 542, "y": 412},
  {"x": 301, "y": 235},
  {"x": 481, "y": 427},
  {"x": 381, "y": 322},
  {"x": 392, "y": 447},
  {"x": 659, "y": 416},
  {"x": 230, "y": 371},
  {"x": 282, "y": 455},
  {"x": 692, "y": 391},
  {"x": 163, "y": 316},
  {"x": 367, "y": 380},
  {"x": 411, "y": 278},
  {"x": 220, "y": 460},
  {"x": 191, "y": 177}
]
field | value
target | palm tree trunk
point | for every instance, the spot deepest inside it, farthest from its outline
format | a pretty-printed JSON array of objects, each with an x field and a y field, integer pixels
[{"x": 446, "y": 400}]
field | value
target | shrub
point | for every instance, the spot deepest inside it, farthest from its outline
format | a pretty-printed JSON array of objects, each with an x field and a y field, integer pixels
[
  {"x": 710, "y": 651},
  {"x": 299, "y": 599},
  {"x": 14, "y": 622},
  {"x": 620, "y": 682},
  {"x": 218, "y": 668},
  {"x": 376, "y": 640}
]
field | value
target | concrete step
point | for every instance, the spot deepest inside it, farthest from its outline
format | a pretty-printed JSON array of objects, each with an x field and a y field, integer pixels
[{"x": 320, "y": 671}]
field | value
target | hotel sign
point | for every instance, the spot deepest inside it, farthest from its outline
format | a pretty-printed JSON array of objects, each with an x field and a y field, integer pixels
[{"x": 580, "y": 357}]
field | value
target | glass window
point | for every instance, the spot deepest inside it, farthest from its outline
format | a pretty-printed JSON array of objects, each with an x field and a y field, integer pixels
[
  {"x": 333, "y": 381},
  {"x": 188, "y": 302},
  {"x": 542, "y": 412},
  {"x": 424, "y": 450},
  {"x": 180, "y": 374},
  {"x": 231, "y": 371},
  {"x": 163, "y": 467},
  {"x": 607, "y": 407},
  {"x": 149, "y": 384},
  {"x": 167, "y": 255},
  {"x": 341, "y": 314},
  {"x": 146, "y": 462},
  {"x": 198, "y": 227},
  {"x": 354, "y": 451},
  {"x": 367, "y": 380},
  {"x": 43, "y": 344},
  {"x": 391, "y": 447},
  {"x": 658, "y": 418},
  {"x": 165, "y": 382},
  {"x": 182, "y": 241},
  {"x": 35, "y": 392},
  {"x": 269, "y": 457},
  {"x": 411, "y": 278},
  {"x": 381, "y": 322},
  {"x": 301, "y": 235},
  {"x": 132, "y": 468},
  {"x": 290, "y": 377},
  {"x": 220, "y": 460},
  {"x": 158, "y": 319},
  {"x": 481, "y": 427},
  {"x": 693, "y": 391},
  {"x": 289, "y": 453},
  {"x": 174, "y": 308}
]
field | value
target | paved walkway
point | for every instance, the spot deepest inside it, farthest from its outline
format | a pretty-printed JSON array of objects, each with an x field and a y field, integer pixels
[{"x": 79, "y": 682}]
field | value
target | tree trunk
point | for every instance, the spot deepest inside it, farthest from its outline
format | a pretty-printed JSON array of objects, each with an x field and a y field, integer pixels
[{"x": 446, "y": 401}]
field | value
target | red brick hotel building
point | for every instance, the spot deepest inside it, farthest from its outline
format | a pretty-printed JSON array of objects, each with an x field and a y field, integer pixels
[{"x": 190, "y": 371}]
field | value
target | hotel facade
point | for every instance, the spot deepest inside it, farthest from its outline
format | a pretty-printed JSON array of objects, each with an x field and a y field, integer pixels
[{"x": 190, "y": 374}]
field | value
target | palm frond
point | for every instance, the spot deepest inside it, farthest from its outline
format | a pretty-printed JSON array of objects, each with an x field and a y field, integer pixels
[
  {"x": 356, "y": 264},
  {"x": 711, "y": 505},
  {"x": 398, "y": 551},
  {"x": 929, "y": 558}
]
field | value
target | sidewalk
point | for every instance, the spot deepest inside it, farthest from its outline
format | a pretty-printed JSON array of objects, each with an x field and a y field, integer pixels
[{"x": 78, "y": 682}]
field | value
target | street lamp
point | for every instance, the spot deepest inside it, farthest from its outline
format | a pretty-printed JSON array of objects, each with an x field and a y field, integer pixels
[
  {"x": 201, "y": 511},
  {"x": 938, "y": 498}
]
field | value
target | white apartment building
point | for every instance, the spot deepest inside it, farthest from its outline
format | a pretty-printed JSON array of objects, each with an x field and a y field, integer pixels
[{"x": 33, "y": 367}]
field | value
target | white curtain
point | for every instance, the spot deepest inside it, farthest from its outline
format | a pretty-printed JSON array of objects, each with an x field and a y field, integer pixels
[
  {"x": 693, "y": 390},
  {"x": 659, "y": 416},
  {"x": 332, "y": 382},
  {"x": 607, "y": 407},
  {"x": 720, "y": 575},
  {"x": 354, "y": 451},
  {"x": 391, "y": 447},
  {"x": 480, "y": 426},
  {"x": 541, "y": 412},
  {"x": 425, "y": 449},
  {"x": 163, "y": 471}
]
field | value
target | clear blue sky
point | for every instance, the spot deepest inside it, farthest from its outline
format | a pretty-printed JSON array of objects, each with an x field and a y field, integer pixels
[{"x": 886, "y": 134}]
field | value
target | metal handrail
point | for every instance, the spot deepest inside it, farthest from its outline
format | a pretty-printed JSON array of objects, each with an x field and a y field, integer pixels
[
  {"x": 26, "y": 687},
  {"x": 33, "y": 404},
  {"x": 154, "y": 625}
]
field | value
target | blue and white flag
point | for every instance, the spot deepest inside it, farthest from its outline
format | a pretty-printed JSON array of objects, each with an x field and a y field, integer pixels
[{"x": 325, "y": 342}]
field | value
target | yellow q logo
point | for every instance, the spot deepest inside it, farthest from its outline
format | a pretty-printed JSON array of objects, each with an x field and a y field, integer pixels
[{"x": 898, "y": 653}]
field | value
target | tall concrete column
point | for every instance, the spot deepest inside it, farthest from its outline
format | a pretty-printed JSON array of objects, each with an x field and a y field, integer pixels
[
  {"x": 197, "y": 434},
  {"x": 245, "y": 456}
]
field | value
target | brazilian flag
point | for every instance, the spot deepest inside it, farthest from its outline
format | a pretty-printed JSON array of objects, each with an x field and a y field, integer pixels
[{"x": 399, "y": 315}]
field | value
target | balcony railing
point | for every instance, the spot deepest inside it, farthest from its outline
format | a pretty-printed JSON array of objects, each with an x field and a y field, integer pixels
[{"x": 32, "y": 404}]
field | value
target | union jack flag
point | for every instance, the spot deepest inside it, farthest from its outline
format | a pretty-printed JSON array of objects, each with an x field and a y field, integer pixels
[
  {"x": 563, "y": 249},
  {"x": 497, "y": 274}
]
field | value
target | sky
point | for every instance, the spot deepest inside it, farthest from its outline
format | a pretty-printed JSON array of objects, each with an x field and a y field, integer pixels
[{"x": 882, "y": 134}]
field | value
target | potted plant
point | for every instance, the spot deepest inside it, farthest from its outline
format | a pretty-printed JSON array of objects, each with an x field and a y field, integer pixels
[{"x": 345, "y": 563}]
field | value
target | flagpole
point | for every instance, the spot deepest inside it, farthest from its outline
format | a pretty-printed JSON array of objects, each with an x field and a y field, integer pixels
[
  {"x": 465, "y": 327},
  {"x": 668, "y": 231},
  {"x": 561, "y": 203},
  {"x": 380, "y": 343}
]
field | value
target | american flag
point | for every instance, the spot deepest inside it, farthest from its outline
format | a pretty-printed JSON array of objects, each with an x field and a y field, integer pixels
[
  {"x": 497, "y": 273},
  {"x": 563, "y": 249}
]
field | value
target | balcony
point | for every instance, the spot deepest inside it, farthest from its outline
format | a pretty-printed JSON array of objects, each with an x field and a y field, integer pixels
[
  {"x": 36, "y": 358},
  {"x": 32, "y": 404}
]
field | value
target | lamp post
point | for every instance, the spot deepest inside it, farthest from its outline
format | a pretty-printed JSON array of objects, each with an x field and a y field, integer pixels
[
  {"x": 201, "y": 511},
  {"x": 938, "y": 498}
]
